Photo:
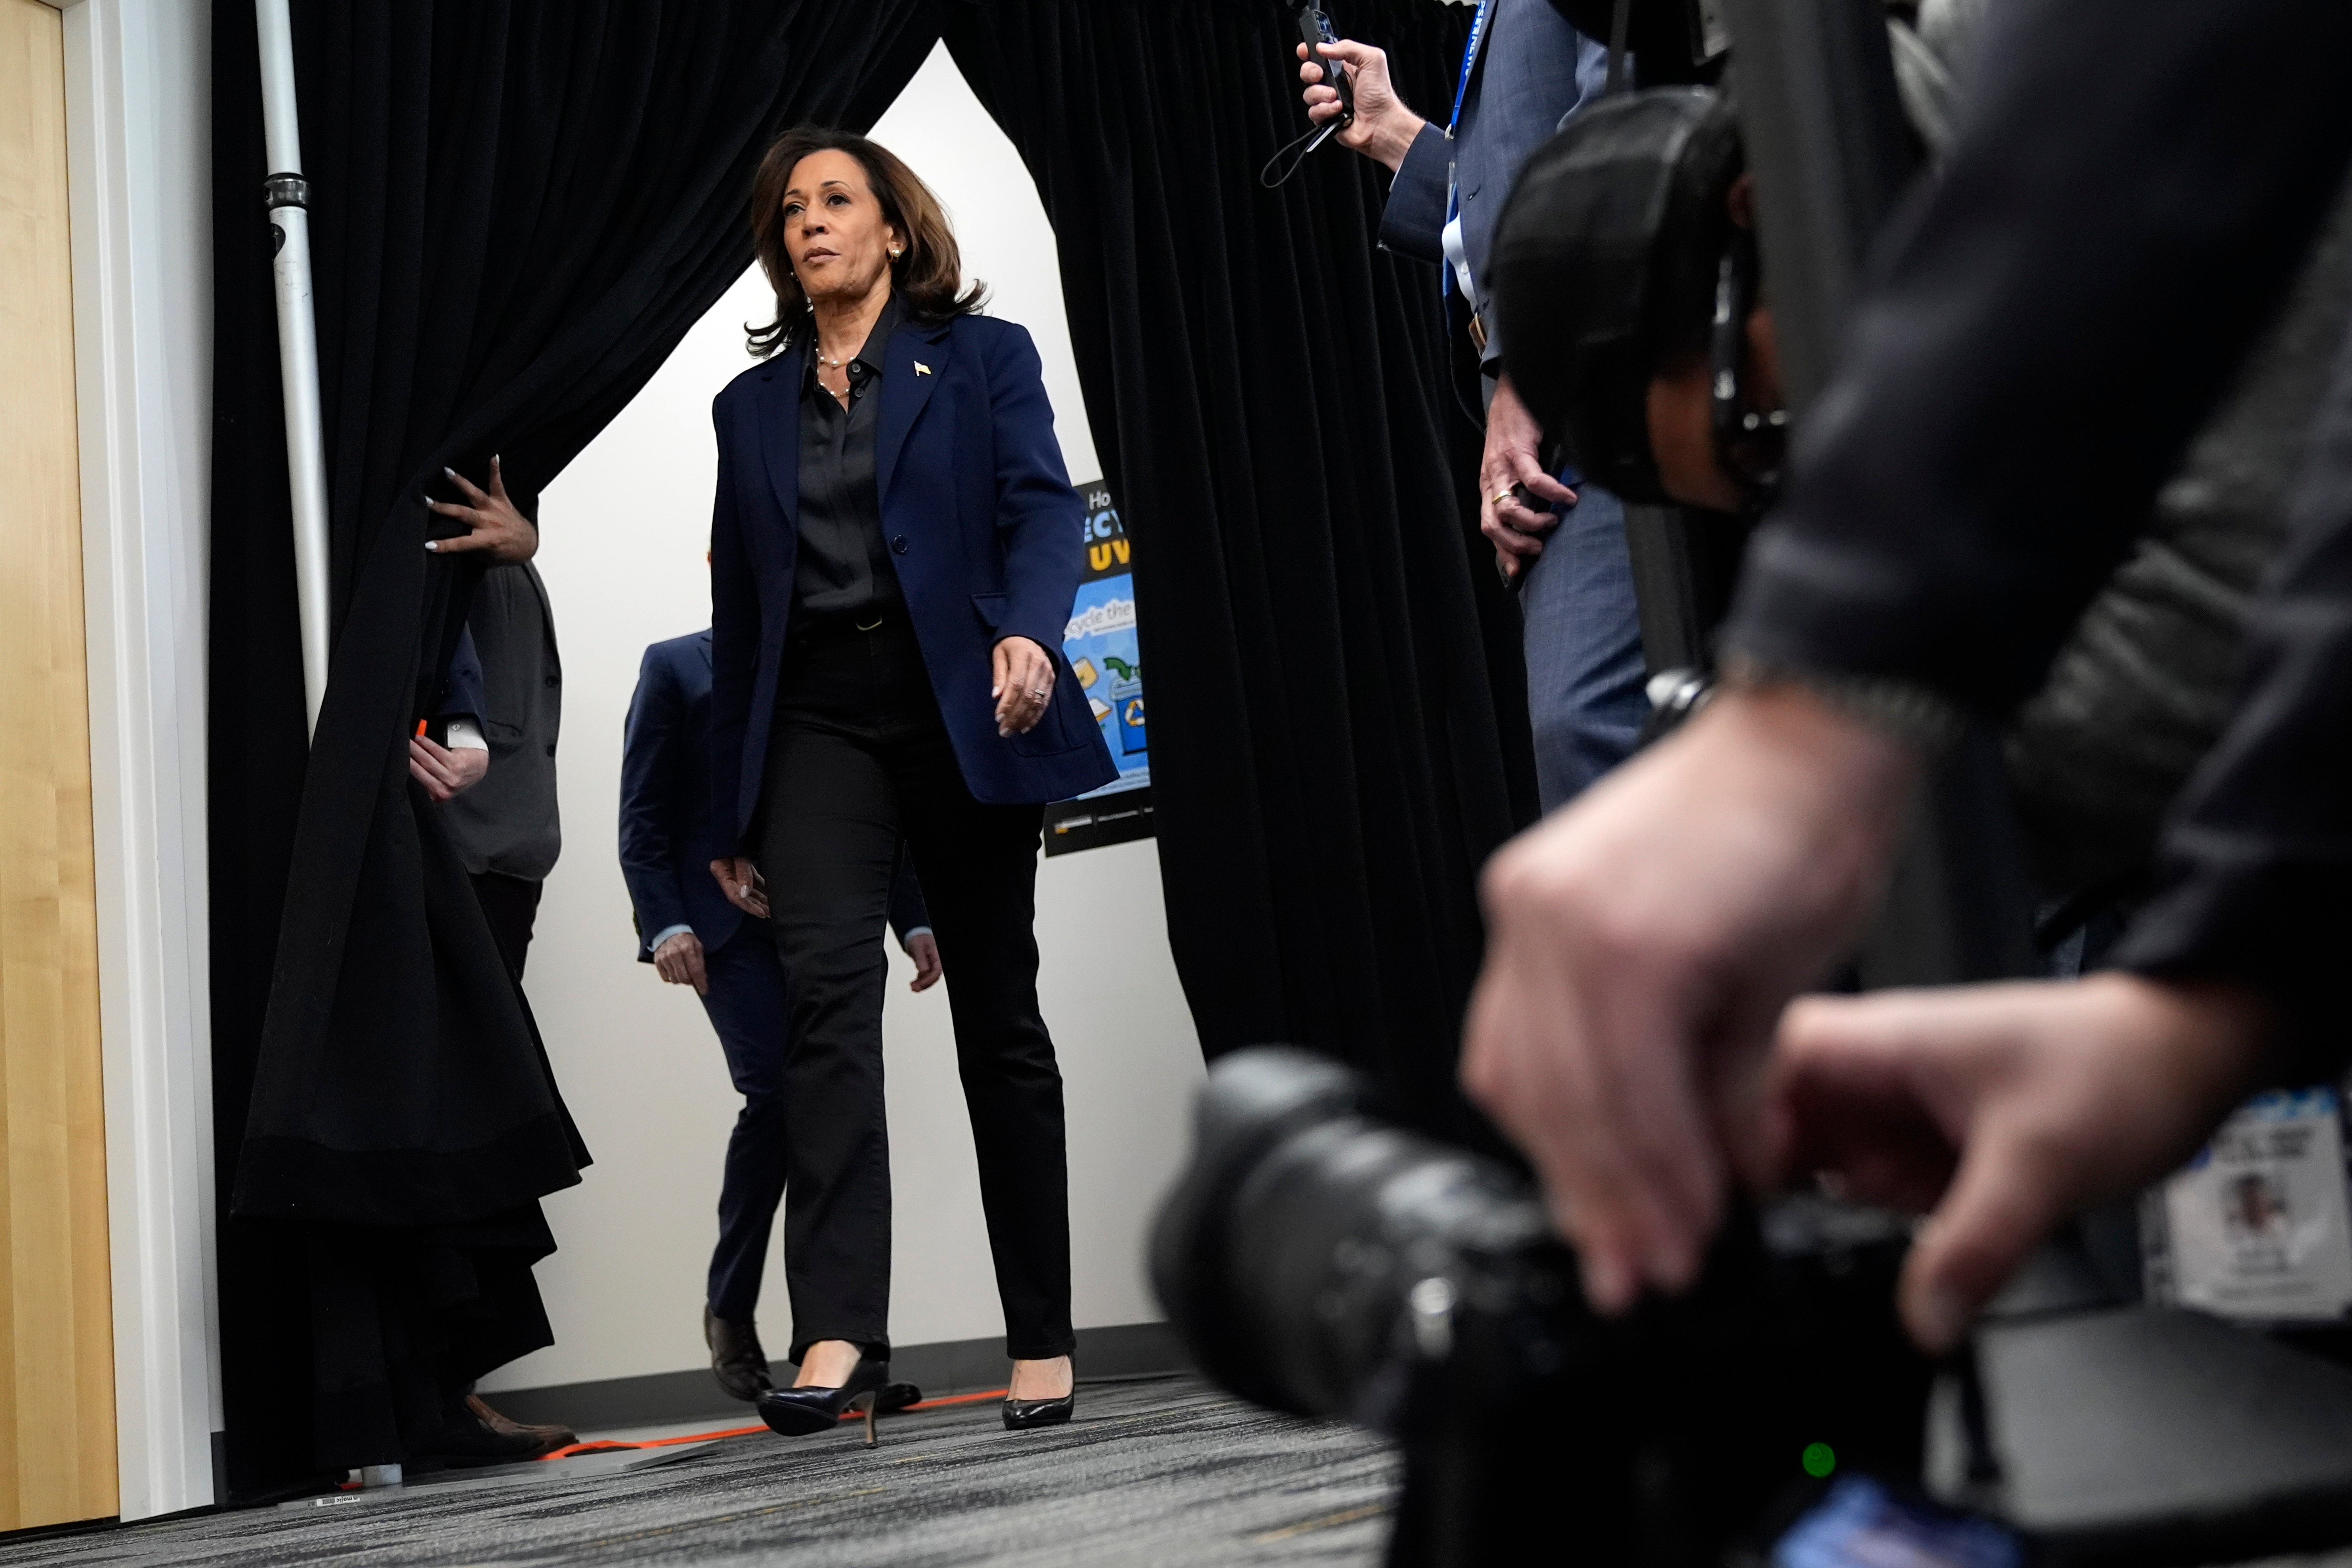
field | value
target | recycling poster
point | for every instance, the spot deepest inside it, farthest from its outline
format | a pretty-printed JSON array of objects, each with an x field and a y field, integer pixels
[{"x": 1108, "y": 662}]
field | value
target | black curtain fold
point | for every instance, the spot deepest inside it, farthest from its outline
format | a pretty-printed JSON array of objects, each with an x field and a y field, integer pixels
[
  {"x": 1338, "y": 724},
  {"x": 518, "y": 209}
]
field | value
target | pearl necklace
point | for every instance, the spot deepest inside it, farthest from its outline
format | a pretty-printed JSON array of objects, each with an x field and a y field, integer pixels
[{"x": 841, "y": 366}]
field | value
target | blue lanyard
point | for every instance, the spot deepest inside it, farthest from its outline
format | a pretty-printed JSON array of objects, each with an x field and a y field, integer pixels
[
  {"x": 1469, "y": 59},
  {"x": 1461, "y": 92}
]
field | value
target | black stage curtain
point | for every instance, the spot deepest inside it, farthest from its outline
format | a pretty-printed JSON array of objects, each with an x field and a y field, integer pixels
[
  {"x": 1338, "y": 724},
  {"x": 518, "y": 207}
]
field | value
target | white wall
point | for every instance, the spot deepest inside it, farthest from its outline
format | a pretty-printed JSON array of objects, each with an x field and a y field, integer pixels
[{"x": 624, "y": 531}]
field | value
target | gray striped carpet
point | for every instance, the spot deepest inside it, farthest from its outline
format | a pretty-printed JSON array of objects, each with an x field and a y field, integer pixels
[{"x": 1167, "y": 1474}]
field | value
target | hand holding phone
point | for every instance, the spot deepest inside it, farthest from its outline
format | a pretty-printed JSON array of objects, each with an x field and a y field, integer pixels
[{"x": 1314, "y": 28}]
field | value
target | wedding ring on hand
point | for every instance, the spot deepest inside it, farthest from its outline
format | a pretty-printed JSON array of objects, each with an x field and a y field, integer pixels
[
  {"x": 1500, "y": 496},
  {"x": 1038, "y": 693}
]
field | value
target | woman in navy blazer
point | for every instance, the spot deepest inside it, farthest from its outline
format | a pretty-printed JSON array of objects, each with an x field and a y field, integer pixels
[{"x": 895, "y": 549}]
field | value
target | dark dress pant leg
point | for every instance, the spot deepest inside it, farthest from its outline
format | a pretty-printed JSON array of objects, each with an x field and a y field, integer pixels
[
  {"x": 746, "y": 1005},
  {"x": 510, "y": 905},
  {"x": 828, "y": 842},
  {"x": 1587, "y": 695},
  {"x": 978, "y": 865}
]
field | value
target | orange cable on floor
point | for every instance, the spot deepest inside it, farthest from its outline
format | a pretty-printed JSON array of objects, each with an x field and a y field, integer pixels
[{"x": 606, "y": 1448}]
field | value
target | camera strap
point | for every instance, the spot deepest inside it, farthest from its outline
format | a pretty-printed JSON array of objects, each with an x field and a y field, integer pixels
[{"x": 1285, "y": 163}]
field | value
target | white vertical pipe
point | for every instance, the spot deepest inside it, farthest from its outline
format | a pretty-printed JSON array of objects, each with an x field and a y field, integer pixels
[{"x": 287, "y": 195}]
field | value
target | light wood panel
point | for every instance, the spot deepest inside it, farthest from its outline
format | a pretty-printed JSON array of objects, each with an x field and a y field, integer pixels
[{"x": 57, "y": 1372}]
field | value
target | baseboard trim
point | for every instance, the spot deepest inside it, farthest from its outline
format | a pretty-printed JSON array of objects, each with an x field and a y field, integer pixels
[{"x": 953, "y": 1366}]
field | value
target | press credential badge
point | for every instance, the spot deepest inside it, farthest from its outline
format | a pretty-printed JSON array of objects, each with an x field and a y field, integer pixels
[{"x": 2257, "y": 1225}]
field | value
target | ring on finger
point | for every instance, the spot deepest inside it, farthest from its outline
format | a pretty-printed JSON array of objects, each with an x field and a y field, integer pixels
[{"x": 1499, "y": 497}]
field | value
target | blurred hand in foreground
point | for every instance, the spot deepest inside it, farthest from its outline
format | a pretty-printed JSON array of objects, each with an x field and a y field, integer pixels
[
  {"x": 1641, "y": 944},
  {"x": 2004, "y": 1109}
]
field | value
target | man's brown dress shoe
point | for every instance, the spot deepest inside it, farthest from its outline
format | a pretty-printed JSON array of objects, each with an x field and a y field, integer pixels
[
  {"x": 549, "y": 1436},
  {"x": 736, "y": 1358},
  {"x": 473, "y": 1434}
]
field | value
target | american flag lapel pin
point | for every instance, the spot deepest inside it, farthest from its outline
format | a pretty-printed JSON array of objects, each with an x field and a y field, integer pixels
[{"x": 922, "y": 369}]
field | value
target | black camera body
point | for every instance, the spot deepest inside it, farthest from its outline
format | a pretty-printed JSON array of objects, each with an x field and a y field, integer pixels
[
  {"x": 1320, "y": 1260},
  {"x": 1607, "y": 268}
]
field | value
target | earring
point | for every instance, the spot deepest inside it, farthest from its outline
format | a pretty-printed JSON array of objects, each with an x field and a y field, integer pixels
[{"x": 894, "y": 253}]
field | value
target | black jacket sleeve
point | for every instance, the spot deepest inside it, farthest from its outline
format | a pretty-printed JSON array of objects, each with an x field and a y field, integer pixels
[
  {"x": 2257, "y": 859},
  {"x": 2128, "y": 192},
  {"x": 908, "y": 910}
]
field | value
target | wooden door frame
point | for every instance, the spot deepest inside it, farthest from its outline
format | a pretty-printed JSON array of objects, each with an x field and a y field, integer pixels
[{"x": 139, "y": 144}]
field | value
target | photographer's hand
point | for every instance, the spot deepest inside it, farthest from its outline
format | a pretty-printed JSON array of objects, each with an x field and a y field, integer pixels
[
  {"x": 1641, "y": 944},
  {"x": 1513, "y": 437},
  {"x": 2005, "y": 1109},
  {"x": 1383, "y": 128}
]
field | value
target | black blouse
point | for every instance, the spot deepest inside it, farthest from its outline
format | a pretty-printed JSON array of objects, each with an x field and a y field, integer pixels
[{"x": 844, "y": 570}]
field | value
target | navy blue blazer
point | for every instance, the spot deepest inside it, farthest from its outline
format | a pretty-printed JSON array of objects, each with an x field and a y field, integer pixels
[
  {"x": 668, "y": 838},
  {"x": 985, "y": 532}
]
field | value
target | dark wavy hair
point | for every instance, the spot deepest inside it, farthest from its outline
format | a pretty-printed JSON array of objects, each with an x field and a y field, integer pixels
[{"x": 928, "y": 277}]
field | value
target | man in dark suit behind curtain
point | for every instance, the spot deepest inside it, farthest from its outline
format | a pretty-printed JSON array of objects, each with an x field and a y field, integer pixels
[
  {"x": 507, "y": 828},
  {"x": 691, "y": 934}
]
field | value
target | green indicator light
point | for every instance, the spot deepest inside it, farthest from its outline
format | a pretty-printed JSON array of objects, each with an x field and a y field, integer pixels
[{"x": 1819, "y": 1459}]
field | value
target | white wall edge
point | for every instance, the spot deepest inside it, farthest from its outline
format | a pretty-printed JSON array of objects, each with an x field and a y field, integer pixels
[{"x": 138, "y": 137}]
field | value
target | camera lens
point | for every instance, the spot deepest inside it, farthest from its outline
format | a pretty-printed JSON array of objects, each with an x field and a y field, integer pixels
[
  {"x": 1326, "y": 1263},
  {"x": 1321, "y": 1260}
]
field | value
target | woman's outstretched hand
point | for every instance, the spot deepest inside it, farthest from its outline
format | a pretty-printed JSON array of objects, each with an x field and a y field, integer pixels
[
  {"x": 1023, "y": 685},
  {"x": 498, "y": 525},
  {"x": 744, "y": 886}
]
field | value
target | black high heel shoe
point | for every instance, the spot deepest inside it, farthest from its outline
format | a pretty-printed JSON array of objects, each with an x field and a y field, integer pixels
[
  {"x": 802, "y": 1412},
  {"x": 1026, "y": 1415}
]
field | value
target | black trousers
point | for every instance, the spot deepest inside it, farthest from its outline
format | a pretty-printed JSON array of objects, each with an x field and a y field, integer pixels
[
  {"x": 858, "y": 757},
  {"x": 512, "y": 906},
  {"x": 746, "y": 1008}
]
